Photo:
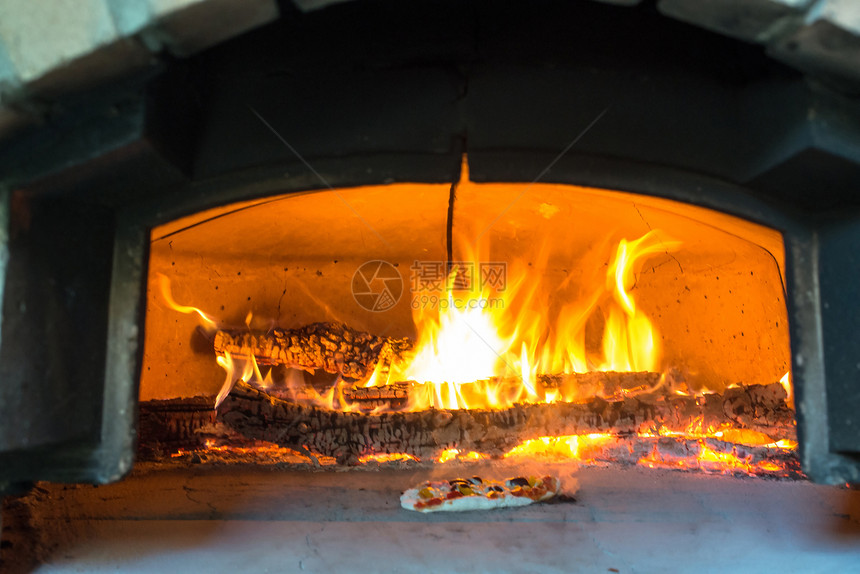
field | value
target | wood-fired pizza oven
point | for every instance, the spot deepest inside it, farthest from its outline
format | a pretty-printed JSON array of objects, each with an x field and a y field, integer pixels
[{"x": 256, "y": 180}]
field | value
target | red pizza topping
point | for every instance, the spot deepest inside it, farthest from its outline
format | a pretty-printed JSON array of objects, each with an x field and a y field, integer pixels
[
  {"x": 428, "y": 503},
  {"x": 432, "y": 494}
]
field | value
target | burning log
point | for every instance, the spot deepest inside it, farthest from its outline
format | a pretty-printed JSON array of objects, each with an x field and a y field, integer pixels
[
  {"x": 604, "y": 384},
  {"x": 709, "y": 455},
  {"x": 426, "y": 434},
  {"x": 706, "y": 454},
  {"x": 395, "y": 392},
  {"x": 392, "y": 397},
  {"x": 332, "y": 347}
]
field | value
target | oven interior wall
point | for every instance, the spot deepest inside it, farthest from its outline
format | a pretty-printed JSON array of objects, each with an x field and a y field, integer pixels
[{"x": 290, "y": 260}]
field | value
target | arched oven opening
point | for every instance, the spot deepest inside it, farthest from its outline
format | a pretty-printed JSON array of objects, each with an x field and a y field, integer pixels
[{"x": 497, "y": 320}]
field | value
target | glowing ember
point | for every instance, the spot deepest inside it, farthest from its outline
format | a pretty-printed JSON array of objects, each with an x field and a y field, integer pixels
[
  {"x": 455, "y": 454},
  {"x": 689, "y": 453},
  {"x": 744, "y": 436},
  {"x": 579, "y": 447},
  {"x": 258, "y": 452},
  {"x": 711, "y": 461},
  {"x": 386, "y": 457},
  {"x": 590, "y": 449}
]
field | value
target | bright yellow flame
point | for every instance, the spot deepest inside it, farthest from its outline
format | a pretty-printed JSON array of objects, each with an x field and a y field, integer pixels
[
  {"x": 485, "y": 346},
  {"x": 226, "y": 363},
  {"x": 630, "y": 342},
  {"x": 448, "y": 454},
  {"x": 456, "y": 454},
  {"x": 526, "y": 374},
  {"x": 482, "y": 347},
  {"x": 579, "y": 447},
  {"x": 376, "y": 378},
  {"x": 743, "y": 436},
  {"x": 785, "y": 381},
  {"x": 455, "y": 347},
  {"x": 164, "y": 286}
]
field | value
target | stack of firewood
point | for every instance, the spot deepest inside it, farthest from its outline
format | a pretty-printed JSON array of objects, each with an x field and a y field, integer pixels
[{"x": 634, "y": 407}]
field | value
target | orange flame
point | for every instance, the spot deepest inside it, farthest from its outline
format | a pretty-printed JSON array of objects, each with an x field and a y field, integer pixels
[
  {"x": 456, "y": 454},
  {"x": 579, "y": 447},
  {"x": 785, "y": 381},
  {"x": 473, "y": 341},
  {"x": 164, "y": 287},
  {"x": 484, "y": 348}
]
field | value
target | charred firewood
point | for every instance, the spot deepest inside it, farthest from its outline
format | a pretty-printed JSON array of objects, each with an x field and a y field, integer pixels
[
  {"x": 175, "y": 422},
  {"x": 426, "y": 434},
  {"x": 605, "y": 384},
  {"x": 170, "y": 424},
  {"x": 397, "y": 391},
  {"x": 332, "y": 347},
  {"x": 390, "y": 397},
  {"x": 608, "y": 385}
]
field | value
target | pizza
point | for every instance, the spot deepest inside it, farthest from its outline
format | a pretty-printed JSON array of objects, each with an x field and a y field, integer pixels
[{"x": 476, "y": 493}]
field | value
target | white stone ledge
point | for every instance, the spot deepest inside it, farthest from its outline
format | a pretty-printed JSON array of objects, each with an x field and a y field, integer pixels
[
  {"x": 58, "y": 45},
  {"x": 52, "y": 47}
]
